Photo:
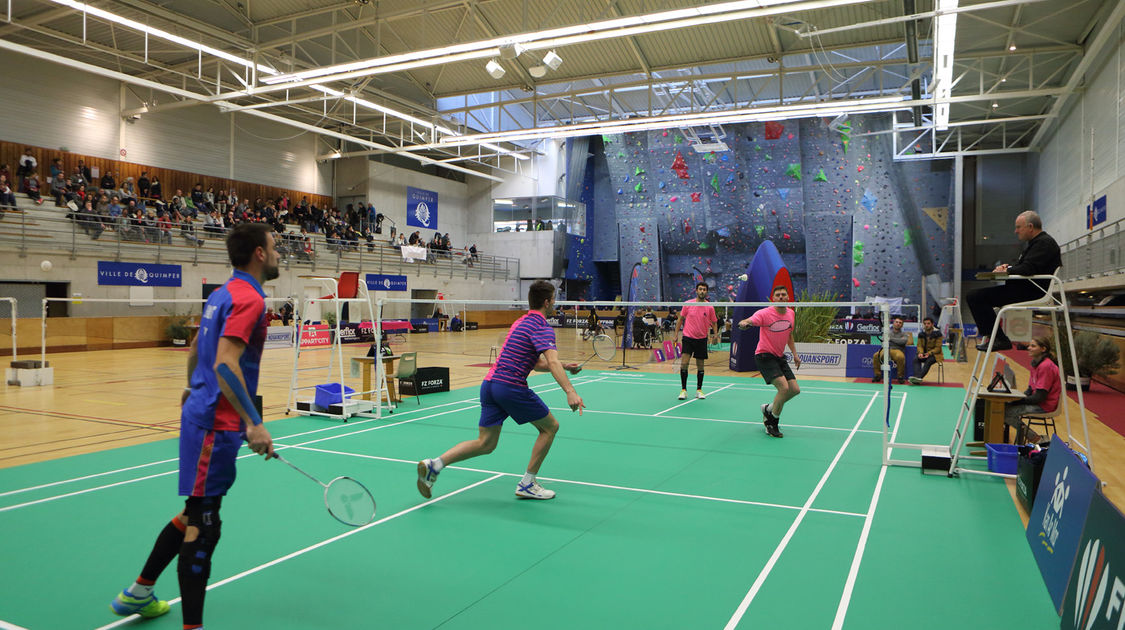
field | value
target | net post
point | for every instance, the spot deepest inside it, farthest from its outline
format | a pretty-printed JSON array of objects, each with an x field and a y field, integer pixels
[
  {"x": 43, "y": 335},
  {"x": 885, "y": 311}
]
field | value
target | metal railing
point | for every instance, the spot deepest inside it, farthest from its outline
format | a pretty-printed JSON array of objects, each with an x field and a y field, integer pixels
[
  {"x": 1094, "y": 255},
  {"x": 34, "y": 229}
]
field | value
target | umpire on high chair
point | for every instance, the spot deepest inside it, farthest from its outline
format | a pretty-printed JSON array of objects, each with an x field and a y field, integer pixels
[{"x": 1041, "y": 256}]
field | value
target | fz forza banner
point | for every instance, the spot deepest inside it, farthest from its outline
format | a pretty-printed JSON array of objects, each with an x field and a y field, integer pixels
[
  {"x": 421, "y": 208},
  {"x": 139, "y": 274},
  {"x": 1095, "y": 598}
]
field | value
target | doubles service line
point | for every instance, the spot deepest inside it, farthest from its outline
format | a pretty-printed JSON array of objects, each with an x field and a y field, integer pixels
[
  {"x": 301, "y": 552},
  {"x": 713, "y": 392},
  {"x": 805, "y": 509},
  {"x": 721, "y": 420},
  {"x": 587, "y": 483},
  {"x": 836, "y": 391},
  {"x": 849, "y": 584},
  {"x": 474, "y": 404}
]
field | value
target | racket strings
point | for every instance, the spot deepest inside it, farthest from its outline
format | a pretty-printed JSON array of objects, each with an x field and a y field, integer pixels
[{"x": 349, "y": 501}]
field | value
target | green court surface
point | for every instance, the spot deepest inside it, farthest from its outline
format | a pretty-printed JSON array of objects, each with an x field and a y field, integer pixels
[{"x": 670, "y": 514}]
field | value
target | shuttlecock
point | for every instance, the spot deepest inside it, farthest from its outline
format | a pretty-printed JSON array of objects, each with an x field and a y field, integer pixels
[
  {"x": 45, "y": 265},
  {"x": 744, "y": 277}
]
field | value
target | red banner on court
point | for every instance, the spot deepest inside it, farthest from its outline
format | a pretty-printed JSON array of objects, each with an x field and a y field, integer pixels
[{"x": 313, "y": 336}]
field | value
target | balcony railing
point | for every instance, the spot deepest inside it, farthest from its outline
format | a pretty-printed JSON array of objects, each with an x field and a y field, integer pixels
[
  {"x": 33, "y": 230},
  {"x": 1095, "y": 255}
]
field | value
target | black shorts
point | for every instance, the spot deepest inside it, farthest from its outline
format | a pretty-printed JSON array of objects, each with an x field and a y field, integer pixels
[
  {"x": 772, "y": 366},
  {"x": 695, "y": 347}
]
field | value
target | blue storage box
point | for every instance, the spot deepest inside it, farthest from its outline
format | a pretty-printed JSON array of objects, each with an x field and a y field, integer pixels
[
  {"x": 1003, "y": 458},
  {"x": 329, "y": 394}
]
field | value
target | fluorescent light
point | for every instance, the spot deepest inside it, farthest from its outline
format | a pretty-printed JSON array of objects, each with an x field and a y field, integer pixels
[
  {"x": 502, "y": 202},
  {"x": 945, "y": 37}
]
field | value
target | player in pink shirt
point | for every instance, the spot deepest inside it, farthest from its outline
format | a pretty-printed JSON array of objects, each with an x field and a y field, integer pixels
[
  {"x": 697, "y": 323},
  {"x": 777, "y": 329},
  {"x": 1042, "y": 394}
]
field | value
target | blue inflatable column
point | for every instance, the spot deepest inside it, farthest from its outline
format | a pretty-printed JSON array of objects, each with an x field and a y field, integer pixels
[{"x": 765, "y": 272}]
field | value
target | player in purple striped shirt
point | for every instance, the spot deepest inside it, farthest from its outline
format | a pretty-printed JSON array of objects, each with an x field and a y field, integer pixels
[{"x": 530, "y": 346}]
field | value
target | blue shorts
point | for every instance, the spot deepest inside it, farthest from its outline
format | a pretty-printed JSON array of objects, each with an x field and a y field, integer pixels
[
  {"x": 500, "y": 400},
  {"x": 207, "y": 460}
]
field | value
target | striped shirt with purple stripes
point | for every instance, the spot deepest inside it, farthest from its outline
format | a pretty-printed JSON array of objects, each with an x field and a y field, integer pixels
[{"x": 527, "y": 339}]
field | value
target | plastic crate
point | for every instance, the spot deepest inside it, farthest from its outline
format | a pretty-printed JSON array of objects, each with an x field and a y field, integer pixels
[
  {"x": 329, "y": 394},
  {"x": 1003, "y": 458}
]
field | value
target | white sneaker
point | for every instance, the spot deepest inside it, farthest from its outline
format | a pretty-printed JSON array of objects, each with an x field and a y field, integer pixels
[
  {"x": 426, "y": 476},
  {"x": 533, "y": 491},
  {"x": 699, "y": 394},
  {"x": 683, "y": 394}
]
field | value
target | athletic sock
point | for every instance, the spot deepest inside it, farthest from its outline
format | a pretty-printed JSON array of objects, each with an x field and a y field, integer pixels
[
  {"x": 437, "y": 464},
  {"x": 138, "y": 590},
  {"x": 699, "y": 379},
  {"x": 165, "y": 549},
  {"x": 527, "y": 478},
  {"x": 683, "y": 379}
]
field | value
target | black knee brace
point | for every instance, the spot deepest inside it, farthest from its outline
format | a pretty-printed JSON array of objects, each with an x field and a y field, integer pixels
[{"x": 195, "y": 556}]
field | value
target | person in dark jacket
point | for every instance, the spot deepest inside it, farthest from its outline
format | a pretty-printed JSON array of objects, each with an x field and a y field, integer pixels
[{"x": 1041, "y": 256}]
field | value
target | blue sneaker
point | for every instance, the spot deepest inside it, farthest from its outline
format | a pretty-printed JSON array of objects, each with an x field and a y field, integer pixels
[
  {"x": 426, "y": 477},
  {"x": 148, "y": 607}
]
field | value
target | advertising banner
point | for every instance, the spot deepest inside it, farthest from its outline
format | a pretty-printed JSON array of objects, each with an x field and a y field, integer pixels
[
  {"x": 316, "y": 335},
  {"x": 139, "y": 274},
  {"x": 411, "y": 253},
  {"x": 385, "y": 282},
  {"x": 820, "y": 359},
  {"x": 1095, "y": 598},
  {"x": 861, "y": 360},
  {"x": 357, "y": 332},
  {"x": 1058, "y": 517},
  {"x": 279, "y": 337},
  {"x": 421, "y": 208}
]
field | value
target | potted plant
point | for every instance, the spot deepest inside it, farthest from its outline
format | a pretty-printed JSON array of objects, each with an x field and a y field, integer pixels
[
  {"x": 1097, "y": 356},
  {"x": 812, "y": 323},
  {"x": 177, "y": 329}
]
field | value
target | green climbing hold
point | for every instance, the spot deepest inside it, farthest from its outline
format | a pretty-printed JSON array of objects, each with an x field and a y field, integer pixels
[
  {"x": 858, "y": 246},
  {"x": 857, "y": 258},
  {"x": 678, "y": 139},
  {"x": 715, "y": 182},
  {"x": 760, "y": 229},
  {"x": 769, "y": 157},
  {"x": 640, "y": 187},
  {"x": 794, "y": 171},
  {"x": 820, "y": 176},
  {"x": 607, "y": 139},
  {"x": 703, "y": 246},
  {"x": 906, "y": 238},
  {"x": 639, "y": 171}
]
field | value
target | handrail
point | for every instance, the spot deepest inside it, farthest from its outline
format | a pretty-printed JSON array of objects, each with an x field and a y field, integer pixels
[
  {"x": 1096, "y": 254},
  {"x": 37, "y": 233}
]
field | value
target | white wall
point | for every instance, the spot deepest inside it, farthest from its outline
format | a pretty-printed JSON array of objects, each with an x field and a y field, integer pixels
[
  {"x": 49, "y": 105},
  {"x": 1064, "y": 176}
]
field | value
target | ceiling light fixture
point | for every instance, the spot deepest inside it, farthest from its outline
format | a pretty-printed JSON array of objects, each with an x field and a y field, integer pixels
[
  {"x": 552, "y": 60},
  {"x": 995, "y": 105},
  {"x": 495, "y": 70},
  {"x": 945, "y": 37},
  {"x": 1012, "y": 47}
]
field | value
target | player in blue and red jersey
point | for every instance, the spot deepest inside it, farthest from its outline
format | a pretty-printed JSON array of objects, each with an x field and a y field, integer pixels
[
  {"x": 218, "y": 414},
  {"x": 504, "y": 392}
]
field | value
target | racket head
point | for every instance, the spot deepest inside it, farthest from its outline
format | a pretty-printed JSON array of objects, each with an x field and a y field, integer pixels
[
  {"x": 604, "y": 347},
  {"x": 349, "y": 502},
  {"x": 780, "y": 325}
]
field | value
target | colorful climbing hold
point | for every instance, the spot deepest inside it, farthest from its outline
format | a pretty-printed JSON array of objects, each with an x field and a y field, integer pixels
[{"x": 794, "y": 171}]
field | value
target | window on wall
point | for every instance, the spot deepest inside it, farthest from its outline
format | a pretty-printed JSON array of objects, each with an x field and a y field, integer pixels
[{"x": 525, "y": 214}]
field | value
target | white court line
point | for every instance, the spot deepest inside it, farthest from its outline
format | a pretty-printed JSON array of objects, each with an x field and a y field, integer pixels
[
  {"x": 4, "y": 625},
  {"x": 301, "y": 552},
  {"x": 763, "y": 388},
  {"x": 587, "y": 483},
  {"x": 764, "y": 573},
  {"x": 713, "y": 392},
  {"x": 475, "y": 402},
  {"x": 752, "y": 422},
  {"x": 849, "y": 584},
  {"x": 746, "y": 383}
]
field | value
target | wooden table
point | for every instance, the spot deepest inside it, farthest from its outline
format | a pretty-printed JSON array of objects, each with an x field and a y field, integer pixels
[
  {"x": 994, "y": 404},
  {"x": 388, "y": 370}
]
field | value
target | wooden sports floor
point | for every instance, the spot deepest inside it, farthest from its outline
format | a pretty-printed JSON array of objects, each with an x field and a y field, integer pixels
[{"x": 670, "y": 514}]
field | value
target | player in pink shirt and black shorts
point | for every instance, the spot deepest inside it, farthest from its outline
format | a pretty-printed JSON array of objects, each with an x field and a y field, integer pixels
[
  {"x": 776, "y": 334},
  {"x": 697, "y": 322}
]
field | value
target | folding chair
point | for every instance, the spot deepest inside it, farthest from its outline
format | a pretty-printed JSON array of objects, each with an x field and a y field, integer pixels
[{"x": 408, "y": 371}]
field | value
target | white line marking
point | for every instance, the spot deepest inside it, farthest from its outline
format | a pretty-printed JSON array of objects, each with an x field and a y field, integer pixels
[
  {"x": 689, "y": 401},
  {"x": 764, "y": 573},
  {"x": 763, "y": 388},
  {"x": 4, "y": 625},
  {"x": 301, "y": 552},
  {"x": 586, "y": 483},
  {"x": 752, "y": 422}
]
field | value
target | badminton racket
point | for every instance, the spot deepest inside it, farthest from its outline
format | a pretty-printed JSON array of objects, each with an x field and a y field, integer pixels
[
  {"x": 347, "y": 500},
  {"x": 780, "y": 325},
  {"x": 604, "y": 348}
]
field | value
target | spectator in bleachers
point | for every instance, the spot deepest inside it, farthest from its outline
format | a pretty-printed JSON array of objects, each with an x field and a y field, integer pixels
[
  {"x": 414, "y": 239},
  {"x": 31, "y": 186},
  {"x": 309, "y": 252},
  {"x": 85, "y": 171},
  {"x": 209, "y": 198},
  {"x": 164, "y": 227},
  {"x": 128, "y": 190},
  {"x": 27, "y": 165},
  {"x": 179, "y": 204},
  {"x": 56, "y": 168},
  {"x": 473, "y": 253},
  {"x": 115, "y": 208},
  {"x": 154, "y": 191},
  {"x": 222, "y": 201},
  {"x": 108, "y": 183},
  {"x": 447, "y": 244},
  {"x": 7, "y": 195},
  {"x": 144, "y": 186},
  {"x": 6, "y": 173},
  {"x": 58, "y": 189},
  {"x": 77, "y": 178},
  {"x": 197, "y": 197},
  {"x": 400, "y": 240},
  {"x": 87, "y": 219}
]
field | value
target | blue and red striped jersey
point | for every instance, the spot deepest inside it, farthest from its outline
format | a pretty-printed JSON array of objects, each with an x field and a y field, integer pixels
[{"x": 527, "y": 339}]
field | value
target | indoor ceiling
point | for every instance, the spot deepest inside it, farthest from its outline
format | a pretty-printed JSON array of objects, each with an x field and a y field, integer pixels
[{"x": 418, "y": 82}]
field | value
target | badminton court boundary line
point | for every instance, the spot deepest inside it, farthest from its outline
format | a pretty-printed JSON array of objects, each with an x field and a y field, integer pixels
[
  {"x": 805, "y": 509},
  {"x": 688, "y": 402},
  {"x": 763, "y": 388},
  {"x": 301, "y": 552},
  {"x": 849, "y": 584},
  {"x": 748, "y": 422},
  {"x": 475, "y": 401},
  {"x": 576, "y": 482}
]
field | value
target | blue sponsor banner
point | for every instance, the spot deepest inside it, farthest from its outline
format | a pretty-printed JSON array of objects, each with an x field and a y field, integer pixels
[
  {"x": 1095, "y": 598},
  {"x": 385, "y": 282},
  {"x": 1058, "y": 517},
  {"x": 421, "y": 208},
  {"x": 861, "y": 363},
  {"x": 1096, "y": 216},
  {"x": 139, "y": 274}
]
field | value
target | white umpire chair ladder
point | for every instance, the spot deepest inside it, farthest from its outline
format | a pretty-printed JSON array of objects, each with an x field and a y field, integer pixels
[
  {"x": 333, "y": 371},
  {"x": 1054, "y": 302}
]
